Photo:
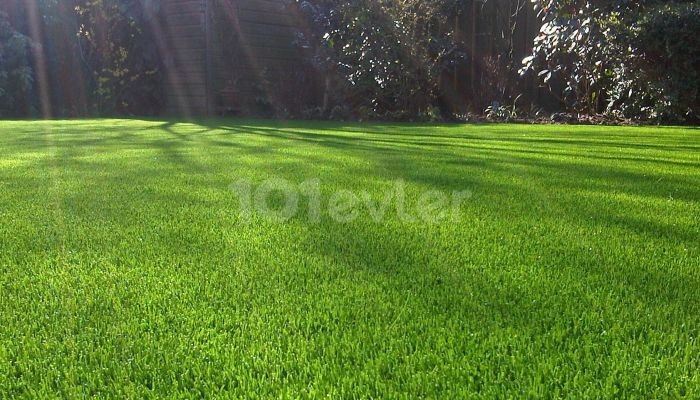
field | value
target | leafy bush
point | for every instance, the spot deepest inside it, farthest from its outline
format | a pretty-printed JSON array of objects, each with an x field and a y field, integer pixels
[
  {"x": 16, "y": 78},
  {"x": 381, "y": 58},
  {"x": 99, "y": 56},
  {"x": 572, "y": 53},
  {"x": 664, "y": 66},
  {"x": 121, "y": 55},
  {"x": 634, "y": 59}
]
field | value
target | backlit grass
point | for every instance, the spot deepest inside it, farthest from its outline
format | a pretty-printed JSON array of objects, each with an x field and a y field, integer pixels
[{"x": 127, "y": 271}]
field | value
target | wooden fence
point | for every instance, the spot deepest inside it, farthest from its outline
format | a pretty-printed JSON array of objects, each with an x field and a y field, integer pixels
[
  {"x": 225, "y": 55},
  {"x": 497, "y": 35},
  {"x": 238, "y": 55}
]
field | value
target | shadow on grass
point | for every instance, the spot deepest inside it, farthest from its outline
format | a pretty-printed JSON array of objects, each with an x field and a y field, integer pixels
[{"x": 509, "y": 175}]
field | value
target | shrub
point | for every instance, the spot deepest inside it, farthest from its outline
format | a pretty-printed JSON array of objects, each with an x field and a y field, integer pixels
[
  {"x": 121, "y": 56},
  {"x": 572, "y": 53},
  {"x": 381, "y": 58},
  {"x": 664, "y": 65},
  {"x": 635, "y": 59},
  {"x": 16, "y": 78}
]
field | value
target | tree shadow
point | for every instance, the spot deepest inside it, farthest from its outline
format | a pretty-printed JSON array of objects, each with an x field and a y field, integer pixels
[{"x": 506, "y": 174}]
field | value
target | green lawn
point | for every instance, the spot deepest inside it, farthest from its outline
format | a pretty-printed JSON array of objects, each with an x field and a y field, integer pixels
[{"x": 128, "y": 269}]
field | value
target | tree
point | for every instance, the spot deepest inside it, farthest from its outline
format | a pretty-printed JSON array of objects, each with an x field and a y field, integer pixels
[
  {"x": 16, "y": 75},
  {"x": 117, "y": 46}
]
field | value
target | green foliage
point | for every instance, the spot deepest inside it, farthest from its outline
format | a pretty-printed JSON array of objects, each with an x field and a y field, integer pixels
[
  {"x": 501, "y": 112},
  {"x": 127, "y": 272},
  {"x": 16, "y": 75},
  {"x": 100, "y": 56},
  {"x": 573, "y": 52},
  {"x": 406, "y": 59},
  {"x": 621, "y": 57},
  {"x": 384, "y": 58},
  {"x": 660, "y": 76},
  {"x": 121, "y": 55}
]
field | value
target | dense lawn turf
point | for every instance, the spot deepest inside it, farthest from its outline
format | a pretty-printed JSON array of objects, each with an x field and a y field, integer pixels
[{"x": 127, "y": 269}]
